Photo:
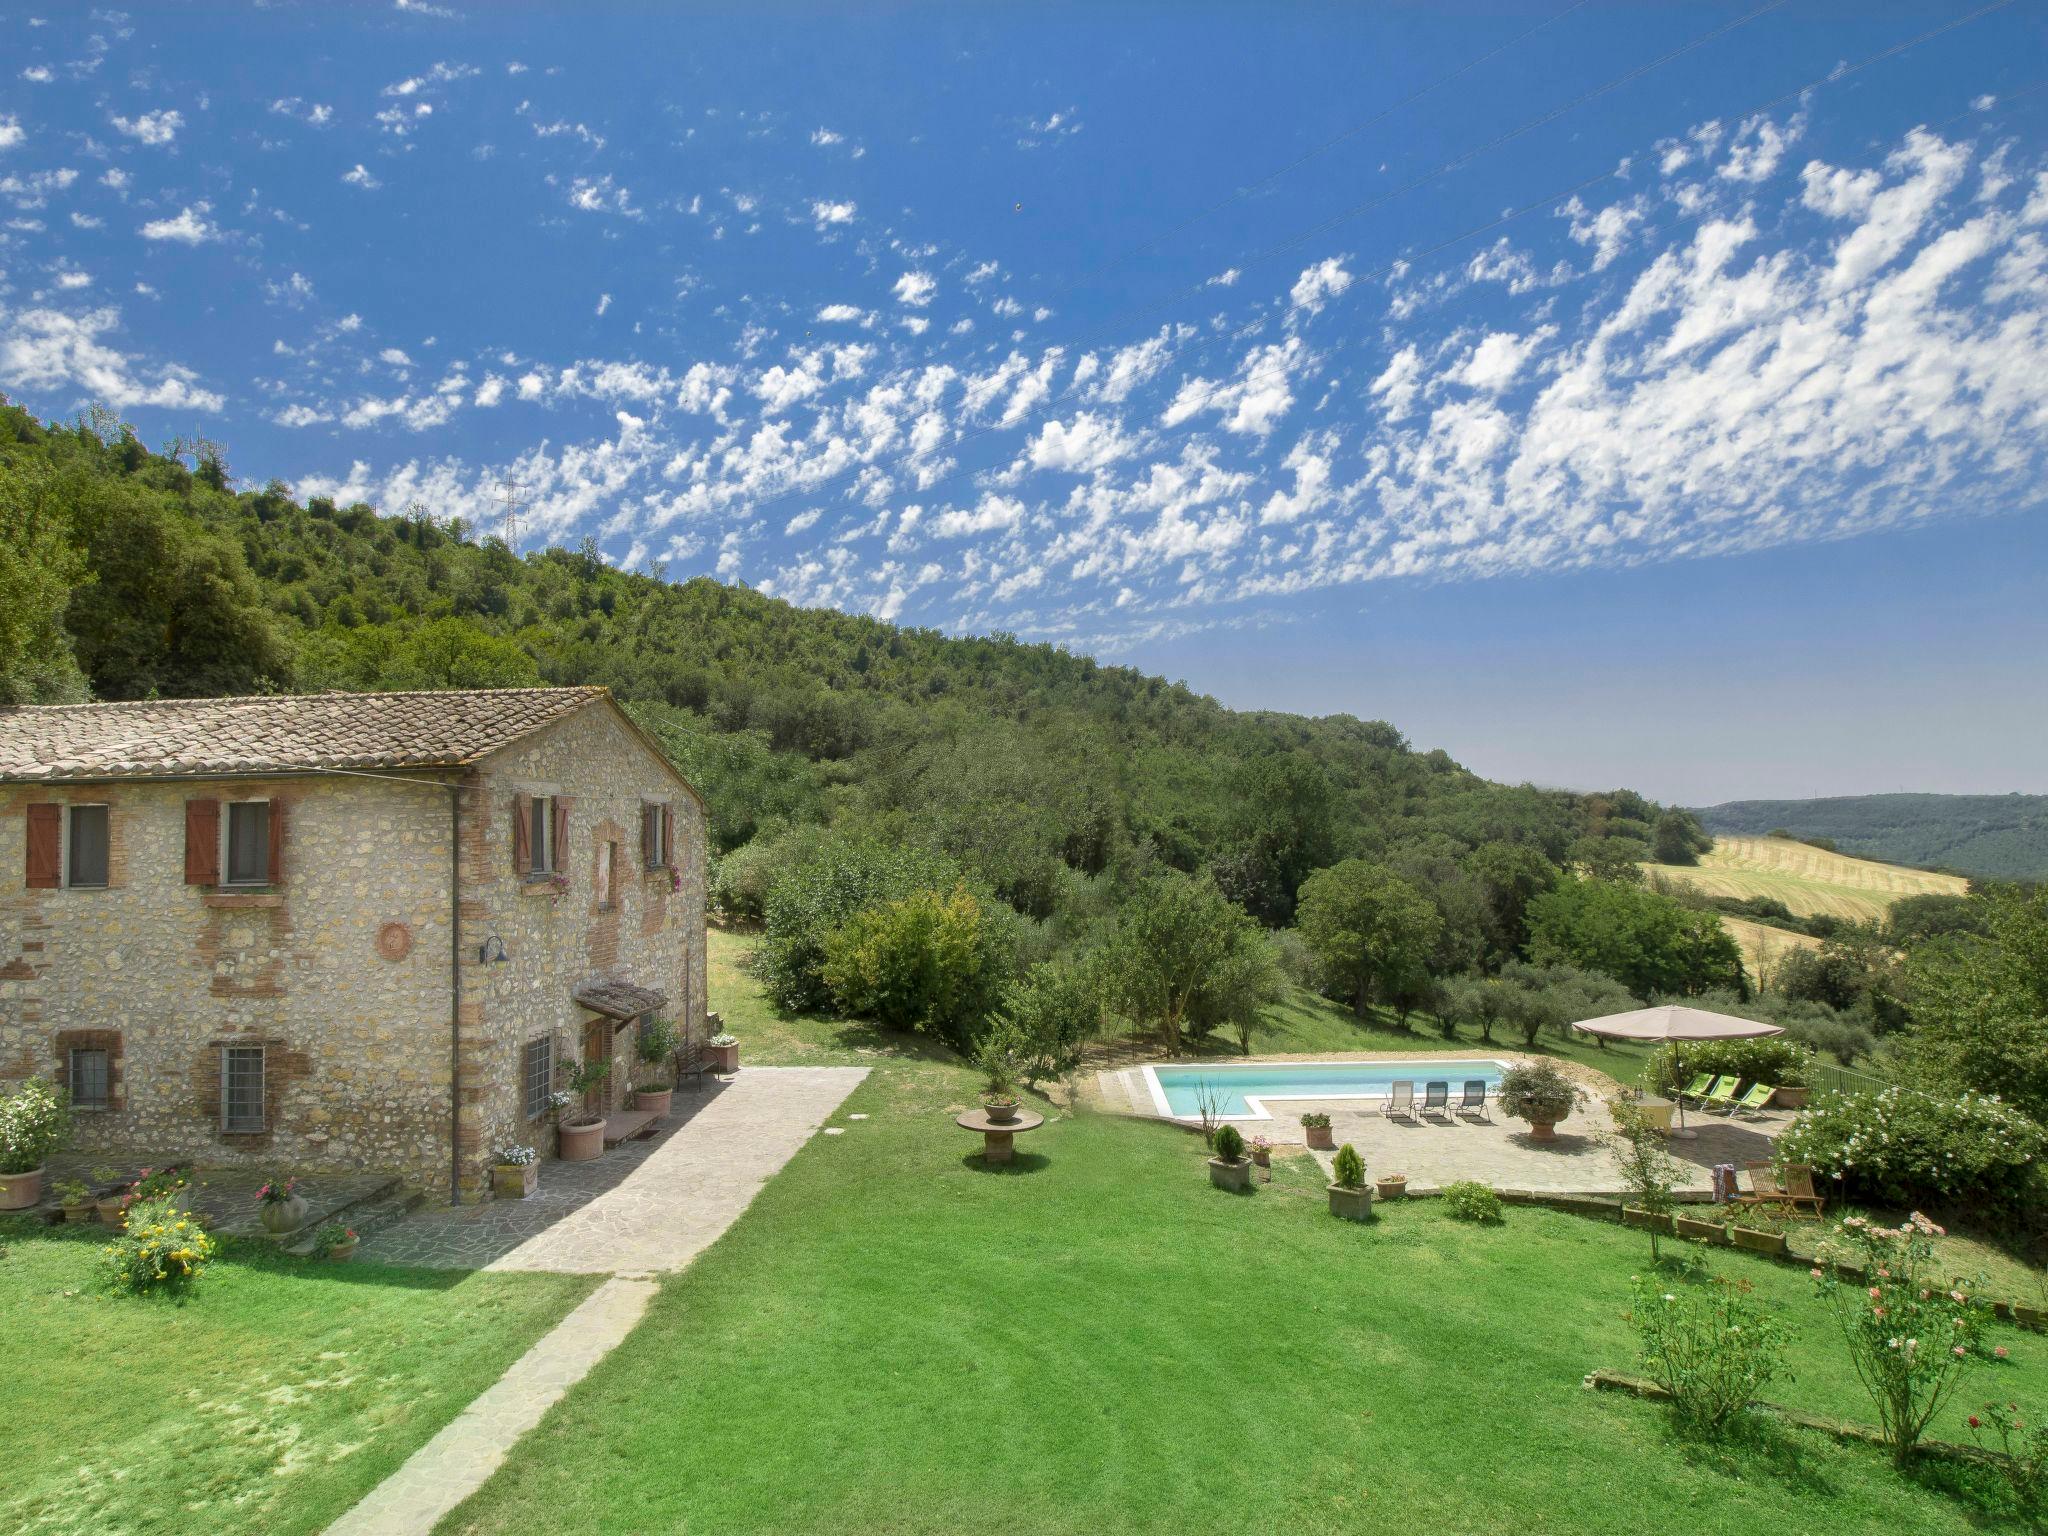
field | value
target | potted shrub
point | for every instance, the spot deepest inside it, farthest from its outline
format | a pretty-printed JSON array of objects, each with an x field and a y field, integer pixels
[
  {"x": 1317, "y": 1126},
  {"x": 1760, "y": 1232},
  {"x": 1391, "y": 1186},
  {"x": 725, "y": 1052},
  {"x": 109, "y": 1205},
  {"x": 515, "y": 1172},
  {"x": 656, "y": 1046},
  {"x": 34, "y": 1120},
  {"x": 74, "y": 1199},
  {"x": 1230, "y": 1168},
  {"x": 997, "y": 1057},
  {"x": 336, "y": 1243},
  {"x": 1262, "y": 1155},
  {"x": 581, "y": 1130},
  {"x": 280, "y": 1206},
  {"x": 1540, "y": 1094},
  {"x": 1349, "y": 1197}
]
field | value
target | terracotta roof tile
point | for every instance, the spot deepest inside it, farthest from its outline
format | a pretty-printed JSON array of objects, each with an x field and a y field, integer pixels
[{"x": 182, "y": 737}]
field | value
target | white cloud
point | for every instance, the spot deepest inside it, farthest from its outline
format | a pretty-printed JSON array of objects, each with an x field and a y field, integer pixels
[
  {"x": 189, "y": 227},
  {"x": 359, "y": 176},
  {"x": 1318, "y": 284},
  {"x": 40, "y": 74},
  {"x": 916, "y": 289},
  {"x": 1227, "y": 278},
  {"x": 300, "y": 416},
  {"x": 1496, "y": 361},
  {"x": 11, "y": 132},
  {"x": 42, "y": 349},
  {"x": 825, "y": 137},
  {"x": 1757, "y": 146},
  {"x": 840, "y": 314},
  {"x": 1087, "y": 443},
  {"x": 826, "y": 214},
  {"x": 155, "y": 128},
  {"x": 314, "y": 114},
  {"x": 604, "y": 302},
  {"x": 600, "y": 195}
]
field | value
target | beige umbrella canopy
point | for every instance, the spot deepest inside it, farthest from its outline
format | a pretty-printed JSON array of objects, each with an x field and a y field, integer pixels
[{"x": 1675, "y": 1023}]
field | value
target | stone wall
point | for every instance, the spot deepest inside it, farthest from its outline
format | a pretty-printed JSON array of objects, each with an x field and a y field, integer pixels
[{"x": 165, "y": 974}]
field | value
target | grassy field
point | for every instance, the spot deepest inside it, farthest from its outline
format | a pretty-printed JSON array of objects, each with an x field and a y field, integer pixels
[
  {"x": 1763, "y": 946},
  {"x": 894, "y": 1339},
  {"x": 1807, "y": 880},
  {"x": 270, "y": 1399}
]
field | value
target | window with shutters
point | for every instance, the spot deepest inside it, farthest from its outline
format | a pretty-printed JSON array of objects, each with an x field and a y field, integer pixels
[
  {"x": 540, "y": 1075},
  {"x": 654, "y": 835},
  {"x": 247, "y": 838},
  {"x": 241, "y": 1088},
  {"x": 85, "y": 847},
  {"x": 540, "y": 837},
  {"x": 91, "y": 1079}
]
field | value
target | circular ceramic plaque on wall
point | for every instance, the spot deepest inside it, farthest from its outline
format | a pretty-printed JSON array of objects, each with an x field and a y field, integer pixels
[{"x": 394, "y": 941}]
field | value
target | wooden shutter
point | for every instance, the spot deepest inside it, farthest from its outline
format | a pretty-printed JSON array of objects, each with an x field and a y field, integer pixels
[
  {"x": 202, "y": 842},
  {"x": 522, "y": 836},
  {"x": 560, "y": 805},
  {"x": 668, "y": 836},
  {"x": 45, "y": 846},
  {"x": 274, "y": 875}
]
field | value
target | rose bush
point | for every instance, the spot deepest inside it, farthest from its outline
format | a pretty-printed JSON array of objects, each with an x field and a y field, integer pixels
[{"x": 1903, "y": 1147}]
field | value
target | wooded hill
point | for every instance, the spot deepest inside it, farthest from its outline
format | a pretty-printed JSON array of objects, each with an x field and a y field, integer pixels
[
  {"x": 1998, "y": 836},
  {"x": 126, "y": 573}
]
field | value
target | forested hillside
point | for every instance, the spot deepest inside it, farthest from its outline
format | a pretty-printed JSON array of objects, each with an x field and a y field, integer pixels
[
  {"x": 127, "y": 573},
  {"x": 1999, "y": 836}
]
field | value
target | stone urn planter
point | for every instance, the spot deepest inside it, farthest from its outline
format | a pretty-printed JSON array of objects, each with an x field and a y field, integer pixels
[
  {"x": 19, "y": 1191},
  {"x": 1774, "y": 1243},
  {"x": 1230, "y": 1173},
  {"x": 1540, "y": 1094},
  {"x": 1791, "y": 1098},
  {"x": 1656, "y": 1221},
  {"x": 1351, "y": 1204},
  {"x": 582, "y": 1139},
  {"x": 281, "y": 1216},
  {"x": 1320, "y": 1137},
  {"x": 724, "y": 1058},
  {"x": 1000, "y": 1108},
  {"x": 1701, "y": 1231},
  {"x": 656, "y": 1099},
  {"x": 514, "y": 1181},
  {"x": 1393, "y": 1187}
]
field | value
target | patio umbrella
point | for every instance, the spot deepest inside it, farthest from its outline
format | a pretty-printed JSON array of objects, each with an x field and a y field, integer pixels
[{"x": 1674, "y": 1024}]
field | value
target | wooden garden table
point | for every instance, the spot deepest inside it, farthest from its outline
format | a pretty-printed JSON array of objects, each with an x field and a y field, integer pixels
[{"x": 998, "y": 1137}]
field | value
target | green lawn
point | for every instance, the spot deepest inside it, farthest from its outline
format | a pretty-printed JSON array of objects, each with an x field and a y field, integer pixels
[
  {"x": 894, "y": 1339},
  {"x": 270, "y": 1399}
]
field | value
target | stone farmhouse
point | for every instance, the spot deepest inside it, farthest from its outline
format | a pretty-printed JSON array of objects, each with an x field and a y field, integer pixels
[{"x": 361, "y": 932}]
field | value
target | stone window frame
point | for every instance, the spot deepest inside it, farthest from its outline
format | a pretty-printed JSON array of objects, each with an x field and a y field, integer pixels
[
  {"x": 228, "y": 844},
  {"x": 71, "y": 811},
  {"x": 65, "y": 1041},
  {"x": 527, "y": 1075}
]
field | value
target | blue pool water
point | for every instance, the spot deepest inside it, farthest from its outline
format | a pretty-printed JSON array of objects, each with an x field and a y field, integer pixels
[{"x": 1182, "y": 1086}]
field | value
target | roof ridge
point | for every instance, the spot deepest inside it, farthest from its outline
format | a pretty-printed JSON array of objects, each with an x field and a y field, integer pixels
[{"x": 295, "y": 698}]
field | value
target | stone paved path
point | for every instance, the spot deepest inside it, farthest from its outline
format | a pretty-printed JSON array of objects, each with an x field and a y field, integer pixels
[
  {"x": 457, "y": 1461},
  {"x": 641, "y": 1209},
  {"x": 645, "y": 1206}
]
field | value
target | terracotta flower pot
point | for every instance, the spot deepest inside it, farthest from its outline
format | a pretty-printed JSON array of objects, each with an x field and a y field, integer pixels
[
  {"x": 656, "y": 1099},
  {"x": 1791, "y": 1098},
  {"x": 110, "y": 1210},
  {"x": 1263, "y": 1156},
  {"x": 1351, "y": 1204},
  {"x": 79, "y": 1211},
  {"x": 725, "y": 1058},
  {"x": 514, "y": 1181},
  {"x": 282, "y": 1216},
  {"x": 581, "y": 1142},
  {"x": 1543, "y": 1130},
  {"x": 341, "y": 1253},
  {"x": 1322, "y": 1138},
  {"x": 1231, "y": 1176},
  {"x": 1392, "y": 1189},
  {"x": 19, "y": 1191}
]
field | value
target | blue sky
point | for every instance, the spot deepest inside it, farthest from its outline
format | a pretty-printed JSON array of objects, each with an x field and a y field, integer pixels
[{"x": 1607, "y": 394}]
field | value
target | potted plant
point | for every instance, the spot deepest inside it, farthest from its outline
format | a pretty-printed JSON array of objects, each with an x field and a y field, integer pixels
[
  {"x": 1760, "y": 1232},
  {"x": 656, "y": 1045},
  {"x": 1262, "y": 1155},
  {"x": 74, "y": 1199},
  {"x": 109, "y": 1205},
  {"x": 1317, "y": 1125},
  {"x": 280, "y": 1206},
  {"x": 336, "y": 1243},
  {"x": 1391, "y": 1186},
  {"x": 725, "y": 1052},
  {"x": 997, "y": 1058},
  {"x": 515, "y": 1172},
  {"x": 34, "y": 1120},
  {"x": 1540, "y": 1094},
  {"x": 581, "y": 1130},
  {"x": 1701, "y": 1231},
  {"x": 1349, "y": 1197},
  {"x": 1230, "y": 1169}
]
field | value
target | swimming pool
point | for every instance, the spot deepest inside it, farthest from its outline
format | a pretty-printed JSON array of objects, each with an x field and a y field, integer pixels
[{"x": 1244, "y": 1092}]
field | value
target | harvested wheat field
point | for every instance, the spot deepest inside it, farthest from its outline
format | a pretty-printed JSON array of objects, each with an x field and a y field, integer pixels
[{"x": 1807, "y": 880}]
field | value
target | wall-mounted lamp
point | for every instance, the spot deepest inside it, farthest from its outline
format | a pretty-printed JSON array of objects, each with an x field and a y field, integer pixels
[{"x": 492, "y": 951}]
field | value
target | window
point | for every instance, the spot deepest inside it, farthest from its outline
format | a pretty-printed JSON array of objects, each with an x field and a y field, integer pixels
[
  {"x": 241, "y": 1088},
  {"x": 607, "y": 861},
  {"x": 540, "y": 1075},
  {"x": 85, "y": 862},
  {"x": 248, "y": 860},
  {"x": 90, "y": 1079},
  {"x": 541, "y": 834},
  {"x": 654, "y": 849}
]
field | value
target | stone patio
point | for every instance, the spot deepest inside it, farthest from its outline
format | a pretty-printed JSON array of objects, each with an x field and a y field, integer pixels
[{"x": 646, "y": 1206}]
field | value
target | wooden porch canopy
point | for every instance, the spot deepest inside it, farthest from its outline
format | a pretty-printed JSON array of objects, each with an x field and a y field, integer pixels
[{"x": 619, "y": 1000}]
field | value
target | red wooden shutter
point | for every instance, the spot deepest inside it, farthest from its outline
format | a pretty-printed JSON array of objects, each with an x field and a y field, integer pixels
[
  {"x": 202, "y": 842},
  {"x": 668, "y": 836},
  {"x": 522, "y": 836},
  {"x": 561, "y": 828},
  {"x": 275, "y": 874},
  {"x": 45, "y": 846}
]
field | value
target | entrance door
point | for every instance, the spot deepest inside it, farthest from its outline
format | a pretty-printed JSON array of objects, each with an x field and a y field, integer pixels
[{"x": 597, "y": 1046}]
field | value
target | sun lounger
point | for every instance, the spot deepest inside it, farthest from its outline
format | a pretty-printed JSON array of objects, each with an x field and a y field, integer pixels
[
  {"x": 1436, "y": 1099},
  {"x": 1475, "y": 1098},
  {"x": 1754, "y": 1101},
  {"x": 1722, "y": 1095},
  {"x": 1697, "y": 1088},
  {"x": 1400, "y": 1100}
]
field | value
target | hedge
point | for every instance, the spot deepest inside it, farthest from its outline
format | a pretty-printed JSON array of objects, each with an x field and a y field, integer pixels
[{"x": 1769, "y": 1059}]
